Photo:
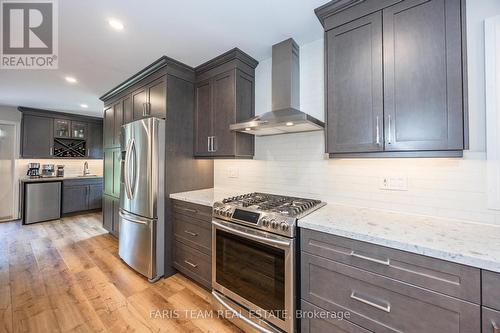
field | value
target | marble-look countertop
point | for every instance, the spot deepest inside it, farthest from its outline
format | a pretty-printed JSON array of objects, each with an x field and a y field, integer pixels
[
  {"x": 468, "y": 243},
  {"x": 206, "y": 197},
  {"x": 56, "y": 179}
]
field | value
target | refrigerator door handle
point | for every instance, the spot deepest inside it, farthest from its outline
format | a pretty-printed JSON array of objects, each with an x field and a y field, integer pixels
[
  {"x": 127, "y": 169},
  {"x": 132, "y": 169}
]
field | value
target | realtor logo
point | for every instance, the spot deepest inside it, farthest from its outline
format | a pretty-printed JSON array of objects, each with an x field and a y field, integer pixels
[{"x": 29, "y": 34}]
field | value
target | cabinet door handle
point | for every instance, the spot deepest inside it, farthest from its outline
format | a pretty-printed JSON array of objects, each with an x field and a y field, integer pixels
[
  {"x": 386, "y": 307},
  {"x": 190, "y": 264},
  {"x": 145, "y": 109},
  {"x": 214, "y": 144},
  {"x": 389, "y": 140},
  {"x": 194, "y": 234},
  {"x": 208, "y": 143},
  {"x": 386, "y": 262},
  {"x": 194, "y": 211},
  {"x": 378, "y": 132},
  {"x": 51, "y": 151},
  {"x": 496, "y": 328}
]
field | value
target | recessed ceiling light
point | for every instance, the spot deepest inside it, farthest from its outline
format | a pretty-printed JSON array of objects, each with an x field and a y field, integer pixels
[
  {"x": 85, "y": 106},
  {"x": 115, "y": 24},
  {"x": 70, "y": 79},
  {"x": 289, "y": 123},
  {"x": 248, "y": 129}
]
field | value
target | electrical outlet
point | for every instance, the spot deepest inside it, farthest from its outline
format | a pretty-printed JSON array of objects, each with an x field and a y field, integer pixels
[
  {"x": 233, "y": 172},
  {"x": 394, "y": 183}
]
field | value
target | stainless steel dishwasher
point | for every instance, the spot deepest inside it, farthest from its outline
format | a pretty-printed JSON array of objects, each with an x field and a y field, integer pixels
[{"x": 42, "y": 202}]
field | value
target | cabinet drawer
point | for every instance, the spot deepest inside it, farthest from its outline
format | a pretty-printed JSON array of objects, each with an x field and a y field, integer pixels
[
  {"x": 330, "y": 325},
  {"x": 193, "y": 263},
  {"x": 198, "y": 211},
  {"x": 491, "y": 321},
  {"x": 381, "y": 304},
  {"x": 442, "y": 276},
  {"x": 491, "y": 290},
  {"x": 83, "y": 181},
  {"x": 193, "y": 232}
]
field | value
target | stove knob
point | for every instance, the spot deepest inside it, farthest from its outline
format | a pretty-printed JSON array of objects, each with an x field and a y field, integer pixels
[
  {"x": 284, "y": 226},
  {"x": 265, "y": 222},
  {"x": 216, "y": 210},
  {"x": 274, "y": 224}
]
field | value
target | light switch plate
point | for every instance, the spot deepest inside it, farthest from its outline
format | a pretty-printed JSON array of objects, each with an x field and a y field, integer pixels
[
  {"x": 394, "y": 183},
  {"x": 233, "y": 172}
]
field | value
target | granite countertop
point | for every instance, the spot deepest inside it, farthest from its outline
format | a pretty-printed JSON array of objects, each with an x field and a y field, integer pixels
[
  {"x": 56, "y": 179},
  {"x": 468, "y": 243},
  {"x": 206, "y": 197}
]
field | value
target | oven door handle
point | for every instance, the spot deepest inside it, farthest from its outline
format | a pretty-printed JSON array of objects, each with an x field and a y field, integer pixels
[
  {"x": 239, "y": 315},
  {"x": 269, "y": 241}
]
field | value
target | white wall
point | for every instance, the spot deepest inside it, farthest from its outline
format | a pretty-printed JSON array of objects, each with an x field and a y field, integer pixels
[
  {"x": 295, "y": 163},
  {"x": 10, "y": 113}
]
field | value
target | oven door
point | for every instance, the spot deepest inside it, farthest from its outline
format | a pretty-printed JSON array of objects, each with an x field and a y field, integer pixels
[{"x": 255, "y": 269}]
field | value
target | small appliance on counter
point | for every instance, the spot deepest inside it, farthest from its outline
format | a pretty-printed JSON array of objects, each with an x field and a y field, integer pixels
[
  {"x": 48, "y": 170},
  {"x": 33, "y": 170},
  {"x": 60, "y": 171}
]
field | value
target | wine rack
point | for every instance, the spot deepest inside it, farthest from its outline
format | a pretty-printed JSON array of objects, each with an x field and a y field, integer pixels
[{"x": 69, "y": 148}]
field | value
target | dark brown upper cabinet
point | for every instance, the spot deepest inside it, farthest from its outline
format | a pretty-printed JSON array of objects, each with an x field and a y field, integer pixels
[
  {"x": 394, "y": 78},
  {"x": 203, "y": 118},
  {"x": 355, "y": 87},
  {"x": 37, "y": 139},
  {"x": 49, "y": 134},
  {"x": 423, "y": 76},
  {"x": 113, "y": 121},
  {"x": 224, "y": 95},
  {"x": 150, "y": 100}
]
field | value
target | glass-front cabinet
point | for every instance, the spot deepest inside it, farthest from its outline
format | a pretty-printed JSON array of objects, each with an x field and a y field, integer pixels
[
  {"x": 68, "y": 129},
  {"x": 78, "y": 130},
  {"x": 62, "y": 128}
]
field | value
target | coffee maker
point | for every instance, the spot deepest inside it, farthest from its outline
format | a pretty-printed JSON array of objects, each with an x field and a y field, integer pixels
[
  {"x": 48, "y": 170},
  {"x": 33, "y": 170}
]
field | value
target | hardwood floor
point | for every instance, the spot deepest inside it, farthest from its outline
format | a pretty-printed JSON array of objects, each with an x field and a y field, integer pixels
[{"x": 66, "y": 276}]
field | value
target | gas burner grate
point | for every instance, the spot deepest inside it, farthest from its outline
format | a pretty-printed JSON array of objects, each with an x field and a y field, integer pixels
[{"x": 283, "y": 205}]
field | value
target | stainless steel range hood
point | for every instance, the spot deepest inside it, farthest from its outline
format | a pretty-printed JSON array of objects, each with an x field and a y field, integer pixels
[{"x": 286, "y": 116}]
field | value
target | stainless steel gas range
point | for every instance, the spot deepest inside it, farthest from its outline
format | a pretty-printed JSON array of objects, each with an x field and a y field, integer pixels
[{"x": 253, "y": 258}]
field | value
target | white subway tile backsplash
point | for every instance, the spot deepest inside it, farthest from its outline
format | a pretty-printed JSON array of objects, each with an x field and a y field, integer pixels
[
  {"x": 294, "y": 164},
  {"x": 71, "y": 167}
]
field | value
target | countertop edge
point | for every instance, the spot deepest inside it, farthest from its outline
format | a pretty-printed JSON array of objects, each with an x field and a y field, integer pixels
[
  {"x": 57, "y": 179},
  {"x": 407, "y": 247},
  {"x": 175, "y": 196}
]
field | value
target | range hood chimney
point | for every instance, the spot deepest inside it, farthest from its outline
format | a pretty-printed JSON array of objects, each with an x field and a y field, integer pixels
[{"x": 285, "y": 116}]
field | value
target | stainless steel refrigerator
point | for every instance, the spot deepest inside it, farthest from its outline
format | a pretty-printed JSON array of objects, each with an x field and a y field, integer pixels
[{"x": 142, "y": 197}]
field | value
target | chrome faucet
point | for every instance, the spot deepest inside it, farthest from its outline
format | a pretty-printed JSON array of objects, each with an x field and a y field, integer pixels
[{"x": 86, "y": 170}]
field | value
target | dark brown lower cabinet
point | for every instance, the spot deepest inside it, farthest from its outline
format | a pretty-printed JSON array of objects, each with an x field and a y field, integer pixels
[
  {"x": 82, "y": 195},
  {"x": 491, "y": 321},
  {"x": 193, "y": 263},
  {"x": 193, "y": 241},
  {"x": 377, "y": 289},
  {"x": 316, "y": 320},
  {"x": 75, "y": 199},
  {"x": 95, "y": 196},
  {"x": 110, "y": 218}
]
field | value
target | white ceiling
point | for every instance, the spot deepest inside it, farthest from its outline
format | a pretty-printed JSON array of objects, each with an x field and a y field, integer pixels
[{"x": 191, "y": 31}]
